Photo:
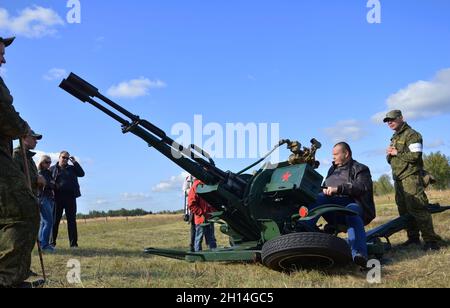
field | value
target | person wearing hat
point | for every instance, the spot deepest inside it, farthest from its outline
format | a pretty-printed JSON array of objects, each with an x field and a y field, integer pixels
[
  {"x": 19, "y": 213},
  {"x": 405, "y": 157},
  {"x": 30, "y": 142}
]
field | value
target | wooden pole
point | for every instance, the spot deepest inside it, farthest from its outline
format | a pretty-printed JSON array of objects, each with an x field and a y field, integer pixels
[{"x": 27, "y": 174}]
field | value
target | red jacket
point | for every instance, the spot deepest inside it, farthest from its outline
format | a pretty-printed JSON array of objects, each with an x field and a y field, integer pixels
[{"x": 198, "y": 206}]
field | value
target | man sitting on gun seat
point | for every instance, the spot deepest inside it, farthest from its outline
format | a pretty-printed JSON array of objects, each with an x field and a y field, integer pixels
[{"x": 349, "y": 184}]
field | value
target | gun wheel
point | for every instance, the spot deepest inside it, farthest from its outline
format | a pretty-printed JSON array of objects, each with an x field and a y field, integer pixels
[{"x": 305, "y": 250}]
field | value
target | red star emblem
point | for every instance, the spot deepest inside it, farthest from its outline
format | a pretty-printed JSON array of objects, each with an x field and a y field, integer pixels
[{"x": 286, "y": 176}]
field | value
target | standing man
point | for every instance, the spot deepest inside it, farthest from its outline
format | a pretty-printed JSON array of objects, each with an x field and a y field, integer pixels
[
  {"x": 30, "y": 142},
  {"x": 66, "y": 193},
  {"x": 405, "y": 157},
  {"x": 202, "y": 211},
  {"x": 19, "y": 214},
  {"x": 188, "y": 216}
]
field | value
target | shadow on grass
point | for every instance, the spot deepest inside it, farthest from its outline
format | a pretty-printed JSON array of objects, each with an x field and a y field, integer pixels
[
  {"x": 399, "y": 254},
  {"x": 99, "y": 252}
]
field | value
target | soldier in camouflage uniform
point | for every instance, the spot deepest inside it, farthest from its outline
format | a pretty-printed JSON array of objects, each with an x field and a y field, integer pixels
[
  {"x": 19, "y": 213},
  {"x": 405, "y": 158},
  {"x": 30, "y": 142}
]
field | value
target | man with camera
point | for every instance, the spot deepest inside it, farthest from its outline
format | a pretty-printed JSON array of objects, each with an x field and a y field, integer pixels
[{"x": 66, "y": 193}]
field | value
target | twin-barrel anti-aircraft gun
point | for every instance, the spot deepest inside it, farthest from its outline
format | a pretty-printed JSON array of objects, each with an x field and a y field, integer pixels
[{"x": 264, "y": 214}]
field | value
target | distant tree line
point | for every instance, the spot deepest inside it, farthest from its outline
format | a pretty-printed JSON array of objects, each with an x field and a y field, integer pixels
[
  {"x": 437, "y": 164},
  {"x": 124, "y": 213},
  {"x": 116, "y": 213},
  {"x": 171, "y": 212},
  {"x": 383, "y": 186}
]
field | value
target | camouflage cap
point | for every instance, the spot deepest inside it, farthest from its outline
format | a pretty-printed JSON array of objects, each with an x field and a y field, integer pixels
[
  {"x": 7, "y": 41},
  {"x": 392, "y": 115},
  {"x": 34, "y": 135}
]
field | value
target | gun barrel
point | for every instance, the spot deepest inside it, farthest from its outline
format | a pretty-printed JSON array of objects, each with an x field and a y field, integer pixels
[{"x": 191, "y": 159}]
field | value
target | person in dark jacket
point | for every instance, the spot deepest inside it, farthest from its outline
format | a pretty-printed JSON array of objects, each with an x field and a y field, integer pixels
[
  {"x": 349, "y": 183},
  {"x": 67, "y": 191},
  {"x": 46, "y": 198}
]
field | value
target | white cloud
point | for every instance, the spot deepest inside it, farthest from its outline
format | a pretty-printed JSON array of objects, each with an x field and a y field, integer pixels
[
  {"x": 374, "y": 152},
  {"x": 39, "y": 154},
  {"x": 135, "y": 88},
  {"x": 55, "y": 74},
  {"x": 380, "y": 171},
  {"x": 435, "y": 144},
  {"x": 422, "y": 99},
  {"x": 32, "y": 22},
  {"x": 325, "y": 162},
  {"x": 55, "y": 158},
  {"x": 175, "y": 183},
  {"x": 101, "y": 202},
  {"x": 349, "y": 130},
  {"x": 134, "y": 197}
]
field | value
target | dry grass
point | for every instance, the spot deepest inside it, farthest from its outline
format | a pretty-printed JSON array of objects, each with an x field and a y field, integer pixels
[{"x": 111, "y": 256}]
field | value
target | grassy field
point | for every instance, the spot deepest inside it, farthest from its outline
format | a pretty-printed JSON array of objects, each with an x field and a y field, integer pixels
[{"x": 111, "y": 256}]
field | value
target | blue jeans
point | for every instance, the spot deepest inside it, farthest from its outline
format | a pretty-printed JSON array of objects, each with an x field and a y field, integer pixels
[
  {"x": 46, "y": 206},
  {"x": 208, "y": 233},
  {"x": 356, "y": 233}
]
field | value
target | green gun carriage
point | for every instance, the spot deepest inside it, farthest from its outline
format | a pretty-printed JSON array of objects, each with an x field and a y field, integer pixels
[{"x": 264, "y": 214}]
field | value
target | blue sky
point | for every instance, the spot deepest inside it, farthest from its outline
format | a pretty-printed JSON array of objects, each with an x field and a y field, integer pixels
[{"x": 317, "y": 68}]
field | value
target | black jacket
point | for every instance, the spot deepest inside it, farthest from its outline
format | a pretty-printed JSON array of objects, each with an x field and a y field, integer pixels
[
  {"x": 359, "y": 186},
  {"x": 67, "y": 179},
  {"x": 49, "y": 189}
]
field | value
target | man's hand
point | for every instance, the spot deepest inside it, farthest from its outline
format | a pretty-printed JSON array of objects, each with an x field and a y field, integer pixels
[
  {"x": 73, "y": 159},
  {"x": 391, "y": 151},
  {"x": 330, "y": 191}
]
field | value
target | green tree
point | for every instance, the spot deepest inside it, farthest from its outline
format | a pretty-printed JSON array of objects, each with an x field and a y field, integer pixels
[
  {"x": 383, "y": 186},
  {"x": 115, "y": 213},
  {"x": 438, "y": 165}
]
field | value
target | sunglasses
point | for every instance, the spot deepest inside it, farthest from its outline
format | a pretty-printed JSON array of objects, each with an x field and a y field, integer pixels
[{"x": 65, "y": 158}]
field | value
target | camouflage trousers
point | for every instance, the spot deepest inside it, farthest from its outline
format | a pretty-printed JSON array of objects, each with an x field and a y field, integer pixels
[
  {"x": 19, "y": 225},
  {"x": 412, "y": 200}
]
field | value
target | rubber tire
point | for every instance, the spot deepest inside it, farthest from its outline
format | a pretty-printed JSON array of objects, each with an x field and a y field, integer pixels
[{"x": 299, "y": 250}]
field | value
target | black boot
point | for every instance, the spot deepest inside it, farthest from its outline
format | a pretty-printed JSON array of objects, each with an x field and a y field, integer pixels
[
  {"x": 37, "y": 284},
  {"x": 32, "y": 274},
  {"x": 431, "y": 246},
  {"x": 411, "y": 242},
  {"x": 360, "y": 260}
]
